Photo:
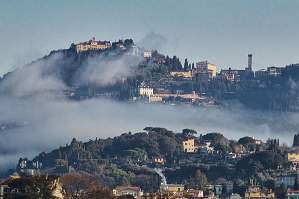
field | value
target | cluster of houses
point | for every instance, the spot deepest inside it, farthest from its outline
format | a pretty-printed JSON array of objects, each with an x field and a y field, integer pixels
[{"x": 178, "y": 191}]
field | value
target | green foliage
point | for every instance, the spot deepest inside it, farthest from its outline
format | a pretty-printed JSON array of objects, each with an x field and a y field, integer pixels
[
  {"x": 216, "y": 138},
  {"x": 187, "y": 133},
  {"x": 259, "y": 161},
  {"x": 200, "y": 179},
  {"x": 37, "y": 187},
  {"x": 246, "y": 140}
]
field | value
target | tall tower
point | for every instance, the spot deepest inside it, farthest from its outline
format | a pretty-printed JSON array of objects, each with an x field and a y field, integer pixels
[{"x": 250, "y": 62}]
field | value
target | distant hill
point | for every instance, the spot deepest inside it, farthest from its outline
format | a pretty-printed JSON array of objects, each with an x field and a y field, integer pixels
[{"x": 117, "y": 69}]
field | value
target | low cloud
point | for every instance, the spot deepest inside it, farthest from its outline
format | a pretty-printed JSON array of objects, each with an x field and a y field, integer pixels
[
  {"x": 51, "y": 122},
  {"x": 33, "y": 123},
  {"x": 103, "y": 70}
]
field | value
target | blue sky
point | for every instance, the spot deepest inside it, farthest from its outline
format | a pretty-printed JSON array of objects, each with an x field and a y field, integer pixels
[{"x": 221, "y": 31}]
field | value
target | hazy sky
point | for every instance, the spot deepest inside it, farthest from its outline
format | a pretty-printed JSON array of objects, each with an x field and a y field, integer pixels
[{"x": 221, "y": 31}]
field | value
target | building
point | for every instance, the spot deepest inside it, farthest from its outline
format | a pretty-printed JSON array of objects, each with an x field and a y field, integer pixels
[
  {"x": 159, "y": 160},
  {"x": 28, "y": 168},
  {"x": 172, "y": 189},
  {"x": 189, "y": 146},
  {"x": 232, "y": 75},
  {"x": 128, "y": 190},
  {"x": 205, "y": 148},
  {"x": 249, "y": 67},
  {"x": 293, "y": 157},
  {"x": 147, "y": 54},
  {"x": 154, "y": 98},
  {"x": 182, "y": 74},
  {"x": 205, "y": 69},
  {"x": 145, "y": 90},
  {"x": 235, "y": 196},
  {"x": 261, "y": 74},
  {"x": 92, "y": 45},
  {"x": 274, "y": 71},
  {"x": 286, "y": 179},
  {"x": 193, "y": 193},
  {"x": 292, "y": 194},
  {"x": 255, "y": 192}
]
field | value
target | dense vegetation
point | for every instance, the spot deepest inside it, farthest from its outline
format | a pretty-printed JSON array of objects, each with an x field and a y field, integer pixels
[{"x": 129, "y": 159}]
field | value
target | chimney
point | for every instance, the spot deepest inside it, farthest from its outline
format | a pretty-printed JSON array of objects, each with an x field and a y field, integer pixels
[{"x": 250, "y": 62}]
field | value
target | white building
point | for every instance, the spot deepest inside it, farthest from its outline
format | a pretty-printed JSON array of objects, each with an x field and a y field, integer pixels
[
  {"x": 146, "y": 91},
  {"x": 128, "y": 190},
  {"x": 147, "y": 54}
]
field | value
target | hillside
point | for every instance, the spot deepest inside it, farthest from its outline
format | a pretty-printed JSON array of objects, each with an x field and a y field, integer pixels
[{"x": 119, "y": 70}]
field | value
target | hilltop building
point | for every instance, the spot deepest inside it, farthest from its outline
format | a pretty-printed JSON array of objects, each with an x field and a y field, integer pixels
[{"x": 92, "y": 45}]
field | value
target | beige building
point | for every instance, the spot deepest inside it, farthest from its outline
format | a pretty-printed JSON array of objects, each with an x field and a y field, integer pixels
[
  {"x": 255, "y": 192},
  {"x": 92, "y": 45},
  {"x": 293, "y": 157},
  {"x": 189, "y": 146},
  {"x": 183, "y": 74},
  {"x": 172, "y": 189},
  {"x": 204, "y": 67},
  {"x": 155, "y": 98},
  {"x": 128, "y": 190}
]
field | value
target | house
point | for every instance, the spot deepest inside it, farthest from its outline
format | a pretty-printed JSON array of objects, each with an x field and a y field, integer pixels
[
  {"x": 182, "y": 74},
  {"x": 287, "y": 179},
  {"x": 255, "y": 192},
  {"x": 205, "y": 148},
  {"x": 172, "y": 189},
  {"x": 147, "y": 54},
  {"x": 128, "y": 190},
  {"x": 293, "y": 157},
  {"x": 193, "y": 193},
  {"x": 159, "y": 160},
  {"x": 145, "y": 90},
  {"x": 234, "y": 74},
  {"x": 204, "y": 69},
  {"x": 189, "y": 146},
  {"x": 292, "y": 194},
  {"x": 235, "y": 196}
]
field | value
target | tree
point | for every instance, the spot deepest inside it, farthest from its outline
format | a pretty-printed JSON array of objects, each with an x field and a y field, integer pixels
[
  {"x": 75, "y": 185},
  {"x": 37, "y": 187},
  {"x": 296, "y": 140},
  {"x": 246, "y": 140},
  {"x": 201, "y": 179},
  {"x": 96, "y": 191},
  {"x": 187, "y": 133},
  {"x": 186, "y": 65},
  {"x": 296, "y": 185}
]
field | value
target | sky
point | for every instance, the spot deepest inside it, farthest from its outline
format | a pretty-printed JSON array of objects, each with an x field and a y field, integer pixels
[{"x": 220, "y": 31}]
